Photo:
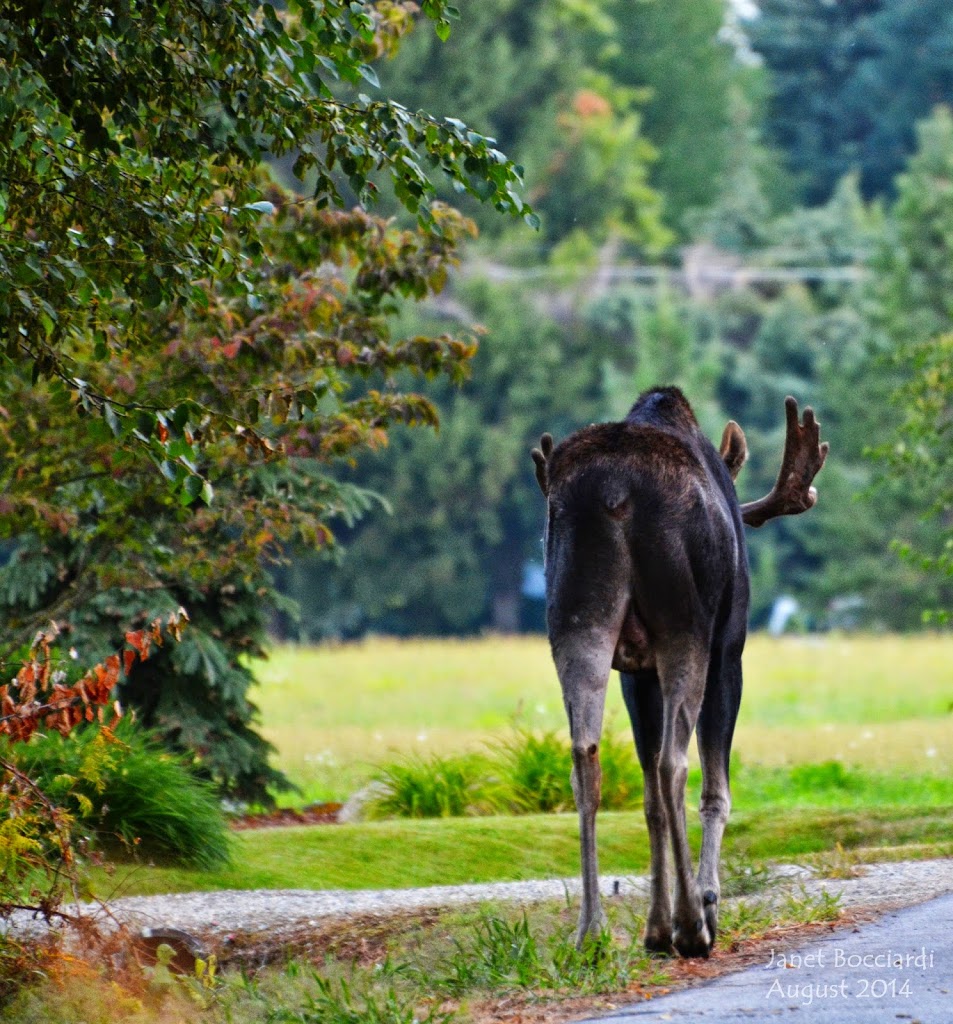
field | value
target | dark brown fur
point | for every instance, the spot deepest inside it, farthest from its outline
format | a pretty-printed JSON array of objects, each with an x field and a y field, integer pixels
[{"x": 646, "y": 573}]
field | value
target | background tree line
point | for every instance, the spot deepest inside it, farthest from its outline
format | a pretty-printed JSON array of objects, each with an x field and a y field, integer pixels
[{"x": 657, "y": 133}]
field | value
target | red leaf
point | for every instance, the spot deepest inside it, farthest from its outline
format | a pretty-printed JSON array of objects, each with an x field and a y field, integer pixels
[
  {"x": 141, "y": 640},
  {"x": 112, "y": 669}
]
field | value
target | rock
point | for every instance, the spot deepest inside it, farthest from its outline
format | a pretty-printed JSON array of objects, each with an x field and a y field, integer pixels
[{"x": 355, "y": 807}]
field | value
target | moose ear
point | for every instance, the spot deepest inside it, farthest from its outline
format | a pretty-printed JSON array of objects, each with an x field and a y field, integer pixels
[
  {"x": 541, "y": 458},
  {"x": 734, "y": 448}
]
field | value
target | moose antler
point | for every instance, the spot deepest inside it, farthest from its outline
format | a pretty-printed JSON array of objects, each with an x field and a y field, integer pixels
[
  {"x": 803, "y": 458},
  {"x": 541, "y": 458}
]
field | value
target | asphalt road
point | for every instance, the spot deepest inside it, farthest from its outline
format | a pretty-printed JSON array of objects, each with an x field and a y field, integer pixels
[{"x": 896, "y": 969}]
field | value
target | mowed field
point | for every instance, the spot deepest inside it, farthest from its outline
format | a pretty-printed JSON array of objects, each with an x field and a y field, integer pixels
[
  {"x": 882, "y": 703},
  {"x": 878, "y": 704}
]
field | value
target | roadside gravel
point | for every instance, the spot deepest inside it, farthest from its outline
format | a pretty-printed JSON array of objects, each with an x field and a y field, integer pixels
[{"x": 879, "y": 887}]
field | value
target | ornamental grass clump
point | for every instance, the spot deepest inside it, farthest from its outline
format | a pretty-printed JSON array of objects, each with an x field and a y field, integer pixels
[
  {"x": 526, "y": 773},
  {"x": 127, "y": 791},
  {"x": 435, "y": 787},
  {"x": 536, "y": 767}
]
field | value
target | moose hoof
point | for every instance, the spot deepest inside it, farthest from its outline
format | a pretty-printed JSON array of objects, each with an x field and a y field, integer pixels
[
  {"x": 694, "y": 941},
  {"x": 659, "y": 941},
  {"x": 590, "y": 932},
  {"x": 710, "y": 902}
]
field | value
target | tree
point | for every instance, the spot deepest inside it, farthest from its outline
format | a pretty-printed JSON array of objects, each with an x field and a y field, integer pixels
[
  {"x": 850, "y": 80},
  {"x": 549, "y": 103},
  {"x": 912, "y": 313},
  {"x": 672, "y": 52},
  {"x": 867, "y": 342},
  {"x": 193, "y": 344},
  {"x": 132, "y": 137},
  {"x": 923, "y": 458},
  {"x": 104, "y": 544},
  {"x": 737, "y": 217},
  {"x": 465, "y": 514},
  {"x": 654, "y": 336}
]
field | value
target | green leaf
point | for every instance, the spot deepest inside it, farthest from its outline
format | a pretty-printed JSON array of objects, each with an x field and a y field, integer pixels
[
  {"x": 369, "y": 75},
  {"x": 193, "y": 487},
  {"x": 145, "y": 424},
  {"x": 151, "y": 290},
  {"x": 112, "y": 419}
]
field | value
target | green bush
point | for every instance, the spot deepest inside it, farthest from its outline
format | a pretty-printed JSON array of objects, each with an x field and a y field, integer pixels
[
  {"x": 128, "y": 790},
  {"x": 537, "y": 769},
  {"x": 621, "y": 774},
  {"x": 526, "y": 773},
  {"x": 435, "y": 787}
]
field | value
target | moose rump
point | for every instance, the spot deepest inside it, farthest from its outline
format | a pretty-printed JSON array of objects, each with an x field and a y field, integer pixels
[{"x": 646, "y": 572}]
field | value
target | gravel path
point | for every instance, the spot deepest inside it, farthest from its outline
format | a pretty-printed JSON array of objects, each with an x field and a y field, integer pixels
[{"x": 901, "y": 883}]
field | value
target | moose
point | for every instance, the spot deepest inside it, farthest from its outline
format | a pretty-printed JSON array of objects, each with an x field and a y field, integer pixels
[{"x": 646, "y": 572}]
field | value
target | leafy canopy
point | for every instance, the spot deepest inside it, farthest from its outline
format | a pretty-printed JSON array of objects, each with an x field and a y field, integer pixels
[
  {"x": 849, "y": 81},
  {"x": 131, "y": 140},
  {"x": 161, "y": 295}
]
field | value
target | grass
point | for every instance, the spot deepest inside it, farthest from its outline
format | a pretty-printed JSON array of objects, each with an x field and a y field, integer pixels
[
  {"x": 434, "y": 787},
  {"x": 466, "y": 966},
  {"x": 842, "y": 755},
  {"x": 334, "y": 712},
  {"x": 529, "y": 773},
  {"x": 526, "y": 773},
  {"x": 124, "y": 788},
  {"x": 448, "y": 851}
]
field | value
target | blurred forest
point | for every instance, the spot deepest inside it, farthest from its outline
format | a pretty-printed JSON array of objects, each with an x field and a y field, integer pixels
[{"x": 747, "y": 201}]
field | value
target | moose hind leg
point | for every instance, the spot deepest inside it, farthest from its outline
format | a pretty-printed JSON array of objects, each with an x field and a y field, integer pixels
[
  {"x": 682, "y": 674},
  {"x": 643, "y": 701},
  {"x": 584, "y": 679},
  {"x": 716, "y": 726},
  {"x": 587, "y": 789}
]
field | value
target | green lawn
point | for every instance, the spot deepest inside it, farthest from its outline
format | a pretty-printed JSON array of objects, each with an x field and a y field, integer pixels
[
  {"x": 841, "y": 740},
  {"x": 882, "y": 703},
  {"x": 449, "y": 851}
]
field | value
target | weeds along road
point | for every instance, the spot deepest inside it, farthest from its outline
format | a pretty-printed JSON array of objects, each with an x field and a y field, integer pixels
[{"x": 898, "y": 968}]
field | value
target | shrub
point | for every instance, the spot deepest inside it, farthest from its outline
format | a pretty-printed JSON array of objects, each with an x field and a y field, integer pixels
[
  {"x": 526, "y": 773},
  {"x": 621, "y": 773},
  {"x": 127, "y": 789},
  {"x": 435, "y": 787},
  {"x": 536, "y": 767}
]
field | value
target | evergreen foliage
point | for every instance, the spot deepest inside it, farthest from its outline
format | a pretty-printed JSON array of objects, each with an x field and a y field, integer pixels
[
  {"x": 913, "y": 313},
  {"x": 849, "y": 81},
  {"x": 552, "y": 104},
  {"x": 428, "y": 567},
  {"x": 673, "y": 53},
  {"x": 465, "y": 511}
]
